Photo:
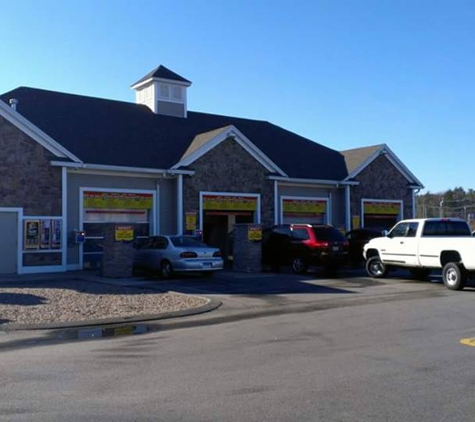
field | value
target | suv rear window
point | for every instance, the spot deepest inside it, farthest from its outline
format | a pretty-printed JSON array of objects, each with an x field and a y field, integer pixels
[
  {"x": 328, "y": 234},
  {"x": 446, "y": 228},
  {"x": 301, "y": 234}
]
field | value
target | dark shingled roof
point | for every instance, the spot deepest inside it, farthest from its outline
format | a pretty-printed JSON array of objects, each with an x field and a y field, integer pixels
[
  {"x": 108, "y": 132},
  {"x": 163, "y": 73}
]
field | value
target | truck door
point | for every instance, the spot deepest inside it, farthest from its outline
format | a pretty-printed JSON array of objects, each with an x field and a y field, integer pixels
[{"x": 402, "y": 249}]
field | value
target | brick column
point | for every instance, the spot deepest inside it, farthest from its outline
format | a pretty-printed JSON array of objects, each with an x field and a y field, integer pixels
[
  {"x": 118, "y": 256},
  {"x": 247, "y": 254}
]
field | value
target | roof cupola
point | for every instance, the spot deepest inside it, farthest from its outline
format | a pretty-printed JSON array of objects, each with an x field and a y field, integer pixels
[{"x": 163, "y": 91}]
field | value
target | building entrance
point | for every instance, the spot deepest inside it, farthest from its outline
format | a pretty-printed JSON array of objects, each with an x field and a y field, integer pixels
[
  {"x": 122, "y": 207},
  {"x": 221, "y": 212},
  {"x": 381, "y": 215}
]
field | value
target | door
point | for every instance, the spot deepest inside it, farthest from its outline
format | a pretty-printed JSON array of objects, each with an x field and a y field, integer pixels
[
  {"x": 402, "y": 245},
  {"x": 8, "y": 242}
]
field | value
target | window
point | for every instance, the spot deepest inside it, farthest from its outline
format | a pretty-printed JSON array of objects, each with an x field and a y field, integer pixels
[
  {"x": 164, "y": 91},
  {"x": 177, "y": 93},
  {"x": 404, "y": 230},
  {"x": 328, "y": 234},
  {"x": 301, "y": 234},
  {"x": 446, "y": 228},
  {"x": 412, "y": 229},
  {"x": 159, "y": 243},
  {"x": 187, "y": 241}
]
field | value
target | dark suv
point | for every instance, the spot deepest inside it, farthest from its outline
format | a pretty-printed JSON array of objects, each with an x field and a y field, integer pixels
[{"x": 303, "y": 245}]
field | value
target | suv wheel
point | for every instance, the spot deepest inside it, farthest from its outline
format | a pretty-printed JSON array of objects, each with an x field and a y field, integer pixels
[{"x": 299, "y": 265}]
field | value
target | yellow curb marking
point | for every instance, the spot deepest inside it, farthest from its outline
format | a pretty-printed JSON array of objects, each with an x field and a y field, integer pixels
[
  {"x": 468, "y": 341},
  {"x": 121, "y": 331}
]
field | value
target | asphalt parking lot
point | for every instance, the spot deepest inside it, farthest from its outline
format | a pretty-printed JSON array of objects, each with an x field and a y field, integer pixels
[{"x": 247, "y": 296}]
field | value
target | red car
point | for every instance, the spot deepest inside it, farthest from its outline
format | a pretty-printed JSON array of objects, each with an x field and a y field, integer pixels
[{"x": 304, "y": 245}]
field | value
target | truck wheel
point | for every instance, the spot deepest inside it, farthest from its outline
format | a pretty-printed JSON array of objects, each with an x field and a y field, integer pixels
[
  {"x": 376, "y": 268},
  {"x": 454, "y": 276}
]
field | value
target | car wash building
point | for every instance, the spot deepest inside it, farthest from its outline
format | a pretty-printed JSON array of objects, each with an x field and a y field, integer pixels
[{"x": 72, "y": 164}]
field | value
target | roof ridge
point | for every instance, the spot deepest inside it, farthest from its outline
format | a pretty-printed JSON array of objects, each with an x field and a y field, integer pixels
[
  {"x": 227, "y": 116},
  {"x": 28, "y": 88}
]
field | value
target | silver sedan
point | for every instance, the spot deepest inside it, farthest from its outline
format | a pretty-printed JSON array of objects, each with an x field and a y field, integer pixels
[{"x": 169, "y": 254}]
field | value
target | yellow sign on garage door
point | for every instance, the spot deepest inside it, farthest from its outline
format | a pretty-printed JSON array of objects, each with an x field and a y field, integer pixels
[
  {"x": 388, "y": 208},
  {"x": 229, "y": 203}
]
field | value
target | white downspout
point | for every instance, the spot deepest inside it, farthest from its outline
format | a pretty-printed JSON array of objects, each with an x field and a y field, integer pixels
[
  {"x": 64, "y": 222},
  {"x": 348, "y": 207},
  {"x": 180, "y": 204}
]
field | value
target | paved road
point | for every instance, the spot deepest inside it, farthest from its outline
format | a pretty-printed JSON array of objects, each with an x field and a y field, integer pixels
[{"x": 390, "y": 355}]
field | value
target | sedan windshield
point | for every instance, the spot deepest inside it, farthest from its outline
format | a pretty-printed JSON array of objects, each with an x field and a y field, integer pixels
[{"x": 187, "y": 241}]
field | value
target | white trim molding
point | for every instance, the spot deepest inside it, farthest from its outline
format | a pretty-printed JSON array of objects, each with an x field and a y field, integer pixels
[
  {"x": 119, "y": 170},
  {"x": 257, "y": 216},
  {"x": 64, "y": 212},
  {"x": 234, "y": 133},
  {"x": 179, "y": 206},
  {"x": 326, "y": 199},
  {"x": 35, "y": 133},
  {"x": 293, "y": 181},
  {"x": 348, "y": 208}
]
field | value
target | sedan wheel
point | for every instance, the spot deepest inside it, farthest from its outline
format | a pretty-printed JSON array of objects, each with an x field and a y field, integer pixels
[{"x": 166, "y": 269}]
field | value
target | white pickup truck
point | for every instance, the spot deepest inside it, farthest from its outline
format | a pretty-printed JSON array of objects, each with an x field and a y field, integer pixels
[{"x": 421, "y": 245}]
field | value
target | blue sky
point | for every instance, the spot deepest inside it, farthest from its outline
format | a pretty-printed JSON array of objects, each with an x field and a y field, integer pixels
[{"x": 345, "y": 74}]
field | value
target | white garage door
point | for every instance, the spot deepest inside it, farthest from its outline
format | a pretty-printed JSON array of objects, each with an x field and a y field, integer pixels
[{"x": 8, "y": 242}]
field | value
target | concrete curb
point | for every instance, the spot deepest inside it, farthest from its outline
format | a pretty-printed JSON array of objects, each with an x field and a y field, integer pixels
[{"x": 210, "y": 306}]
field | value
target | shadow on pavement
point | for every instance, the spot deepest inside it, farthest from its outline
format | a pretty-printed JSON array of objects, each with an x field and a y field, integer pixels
[{"x": 230, "y": 283}]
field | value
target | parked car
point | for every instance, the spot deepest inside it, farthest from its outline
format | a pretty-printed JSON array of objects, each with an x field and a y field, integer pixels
[
  {"x": 170, "y": 254},
  {"x": 304, "y": 245},
  {"x": 357, "y": 238}
]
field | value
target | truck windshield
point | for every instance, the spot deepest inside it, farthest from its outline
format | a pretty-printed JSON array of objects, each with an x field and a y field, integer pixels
[{"x": 446, "y": 228}]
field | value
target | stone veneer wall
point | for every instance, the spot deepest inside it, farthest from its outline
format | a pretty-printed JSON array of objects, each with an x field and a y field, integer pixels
[
  {"x": 28, "y": 180},
  {"x": 381, "y": 180},
  {"x": 229, "y": 168}
]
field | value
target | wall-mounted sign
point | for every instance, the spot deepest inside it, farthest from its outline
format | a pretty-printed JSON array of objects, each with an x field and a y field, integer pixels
[
  {"x": 55, "y": 234},
  {"x": 31, "y": 234},
  {"x": 45, "y": 234},
  {"x": 303, "y": 206},
  {"x": 229, "y": 203},
  {"x": 388, "y": 208},
  {"x": 124, "y": 233},
  {"x": 190, "y": 221},
  {"x": 118, "y": 200},
  {"x": 254, "y": 233}
]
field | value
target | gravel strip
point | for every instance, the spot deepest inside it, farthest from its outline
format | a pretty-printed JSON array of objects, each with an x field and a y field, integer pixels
[{"x": 75, "y": 300}]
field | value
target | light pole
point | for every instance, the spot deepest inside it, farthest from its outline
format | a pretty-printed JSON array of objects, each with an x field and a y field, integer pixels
[{"x": 441, "y": 209}]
